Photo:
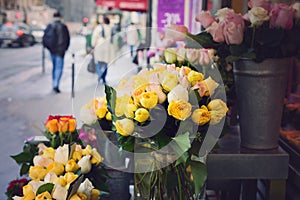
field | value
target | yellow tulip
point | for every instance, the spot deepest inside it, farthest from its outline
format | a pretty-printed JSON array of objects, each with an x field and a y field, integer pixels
[
  {"x": 57, "y": 168},
  {"x": 44, "y": 196},
  {"x": 63, "y": 125},
  {"x": 95, "y": 194},
  {"x": 77, "y": 155},
  {"x": 28, "y": 192},
  {"x": 52, "y": 126},
  {"x": 49, "y": 153},
  {"x": 149, "y": 99},
  {"x": 70, "y": 177},
  {"x": 71, "y": 166},
  {"x": 125, "y": 126},
  {"x": 194, "y": 77},
  {"x": 217, "y": 109},
  {"x": 87, "y": 150},
  {"x": 170, "y": 81},
  {"x": 141, "y": 115},
  {"x": 201, "y": 115},
  {"x": 62, "y": 181},
  {"x": 37, "y": 172},
  {"x": 180, "y": 109},
  {"x": 96, "y": 157}
]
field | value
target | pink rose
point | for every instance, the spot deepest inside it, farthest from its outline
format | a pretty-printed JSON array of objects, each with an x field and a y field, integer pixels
[
  {"x": 176, "y": 32},
  {"x": 233, "y": 33},
  {"x": 204, "y": 58},
  {"x": 235, "y": 18},
  {"x": 282, "y": 16},
  {"x": 216, "y": 31},
  {"x": 205, "y": 18},
  {"x": 266, "y": 4}
]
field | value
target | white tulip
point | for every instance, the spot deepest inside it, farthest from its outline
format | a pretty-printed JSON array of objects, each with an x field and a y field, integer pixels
[
  {"x": 59, "y": 192},
  {"x": 85, "y": 164},
  {"x": 87, "y": 115},
  {"x": 35, "y": 185},
  {"x": 41, "y": 161},
  {"x": 86, "y": 188},
  {"x": 62, "y": 154},
  {"x": 50, "y": 177}
]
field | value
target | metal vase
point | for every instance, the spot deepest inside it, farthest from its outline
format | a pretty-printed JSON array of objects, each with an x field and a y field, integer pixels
[{"x": 260, "y": 89}]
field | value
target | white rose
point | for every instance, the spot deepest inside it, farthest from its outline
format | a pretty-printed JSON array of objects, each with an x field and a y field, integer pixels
[
  {"x": 178, "y": 93},
  {"x": 59, "y": 192},
  {"x": 87, "y": 115},
  {"x": 258, "y": 16},
  {"x": 86, "y": 188},
  {"x": 62, "y": 154},
  {"x": 85, "y": 164},
  {"x": 181, "y": 54},
  {"x": 192, "y": 55},
  {"x": 50, "y": 177}
]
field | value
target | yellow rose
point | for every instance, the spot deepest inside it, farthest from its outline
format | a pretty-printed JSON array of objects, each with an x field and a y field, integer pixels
[
  {"x": 57, "y": 168},
  {"x": 141, "y": 115},
  {"x": 125, "y": 126},
  {"x": 170, "y": 81},
  {"x": 194, "y": 77},
  {"x": 28, "y": 192},
  {"x": 149, "y": 99},
  {"x": 71, "y": 166},
  {"x": 96, "y": 157},
  {"x": 211, "y": 86},
  {"x": 180, "y": 109},
  {"x": 137, "y": 95},
  {"x": 52, "y": 126},
  {"x": 49, "y": 153},
  {"x": 101, "y": 112},
  {"x": 37, "y": 172},
  {"x": 95, "y": 194},
  {"x": 130, "y": 109},
  {"x": 70, "y": 177},
  {"x": 72, "y": 125},
  {"x": 158, "y": 90},
  {"x": 108, "y": 116},
  {"x": 44, "y": 196},
  {"x": 77, "y": 155},
  {"x": 201, "y": 115},
  {"x": 217, "y": 109}
]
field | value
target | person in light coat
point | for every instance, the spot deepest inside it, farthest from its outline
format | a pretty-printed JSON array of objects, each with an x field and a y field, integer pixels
[
  {"x": 132, "y": 37},
  {"x": 103, "y": 48}
]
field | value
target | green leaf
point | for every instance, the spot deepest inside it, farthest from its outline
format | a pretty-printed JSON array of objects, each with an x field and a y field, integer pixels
[
  {"x": 183, "y": 141},
  {"x": 182, "y": 159},
  {"x": 199, "y": 173},
  {"x": 23, "y": 157},
  {"x": 46, "y": 187},
  {"x": 24, "y": 169},
  {"x": 111, "y": 96}
]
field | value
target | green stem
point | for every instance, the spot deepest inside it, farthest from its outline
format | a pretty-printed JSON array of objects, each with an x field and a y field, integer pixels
[
  {"x": 253, "y": 37},
  {"x": 179, "y": 183}
]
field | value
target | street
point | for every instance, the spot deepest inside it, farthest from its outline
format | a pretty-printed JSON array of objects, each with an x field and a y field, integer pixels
[{"x": 26, "y": 96}]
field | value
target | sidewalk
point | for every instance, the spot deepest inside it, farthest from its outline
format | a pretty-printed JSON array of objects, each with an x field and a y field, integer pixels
[{"x": 28, "y": 105}]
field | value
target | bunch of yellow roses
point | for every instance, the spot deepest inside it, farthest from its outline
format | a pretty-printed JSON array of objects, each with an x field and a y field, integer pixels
[
  {"x": 171, "y": 87},
  {"x": 57, "y": 169}
]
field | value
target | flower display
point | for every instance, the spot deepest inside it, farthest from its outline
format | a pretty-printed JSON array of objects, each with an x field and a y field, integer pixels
[{"x": 184, "y": 98}]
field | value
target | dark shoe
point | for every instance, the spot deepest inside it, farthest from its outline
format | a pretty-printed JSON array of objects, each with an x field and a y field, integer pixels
[{"x": 56, "y": 90}]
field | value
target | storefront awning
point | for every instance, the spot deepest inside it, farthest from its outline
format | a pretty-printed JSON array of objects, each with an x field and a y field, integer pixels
[{"x": 129, "y": 5}]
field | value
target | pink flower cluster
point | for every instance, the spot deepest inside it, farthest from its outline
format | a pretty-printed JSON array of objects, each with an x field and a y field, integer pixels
[{"x": 229, "y": 26}]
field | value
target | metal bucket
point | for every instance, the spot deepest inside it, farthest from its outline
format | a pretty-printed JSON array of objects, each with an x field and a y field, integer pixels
[{"x": 260, "y": 89}]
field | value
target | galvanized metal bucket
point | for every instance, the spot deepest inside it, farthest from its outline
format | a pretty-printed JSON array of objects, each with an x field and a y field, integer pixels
[{"x": 260, "y": 89}]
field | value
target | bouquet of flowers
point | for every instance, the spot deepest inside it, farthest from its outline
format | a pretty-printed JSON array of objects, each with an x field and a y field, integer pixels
[
  {"x": 164, "y": 116},
  {"x": 59, "y": 166}
]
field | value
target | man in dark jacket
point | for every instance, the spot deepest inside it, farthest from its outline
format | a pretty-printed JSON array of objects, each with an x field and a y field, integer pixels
[{"x": 58, "y": 50}]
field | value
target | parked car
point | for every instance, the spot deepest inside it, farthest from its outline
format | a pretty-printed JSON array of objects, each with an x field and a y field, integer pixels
[
  {"x": 16, "y": 33},
  {"x": 37, "y": 33}
]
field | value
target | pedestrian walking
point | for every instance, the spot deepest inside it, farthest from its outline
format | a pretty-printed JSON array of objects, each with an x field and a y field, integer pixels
[
  {"x": 103, "y": 48},
  {"x": 132, "y": 37},
  {"x": 57, "y": 40}
]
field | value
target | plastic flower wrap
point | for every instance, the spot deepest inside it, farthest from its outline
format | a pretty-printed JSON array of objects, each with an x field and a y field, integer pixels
[
  {"x": 61, "y": 130},
  {"x": 60, "y": 173}
]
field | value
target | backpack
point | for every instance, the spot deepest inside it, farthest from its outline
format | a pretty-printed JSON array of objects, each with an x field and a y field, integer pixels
[{"x": 50, "y": 37}]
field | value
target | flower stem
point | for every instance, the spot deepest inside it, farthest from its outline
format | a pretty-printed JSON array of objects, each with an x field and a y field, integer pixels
[
  {"x": 179, "y": 183},
  {"x": 253, "y": 37}
]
